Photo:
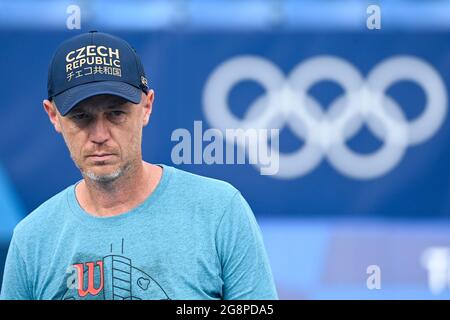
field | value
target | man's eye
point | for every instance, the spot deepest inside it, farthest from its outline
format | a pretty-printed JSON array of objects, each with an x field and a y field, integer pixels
[
  {"x": 80, "y": 116},
  {"x": 117, "y": 113}
]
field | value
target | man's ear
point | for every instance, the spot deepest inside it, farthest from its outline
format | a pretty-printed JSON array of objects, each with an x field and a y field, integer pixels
[
  {"x": 52, "y": 113},
  {"x": 149, "y": 98}
]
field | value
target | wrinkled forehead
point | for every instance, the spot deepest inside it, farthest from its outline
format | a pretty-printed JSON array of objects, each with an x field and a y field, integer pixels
[{"x": 100, "y": 103}]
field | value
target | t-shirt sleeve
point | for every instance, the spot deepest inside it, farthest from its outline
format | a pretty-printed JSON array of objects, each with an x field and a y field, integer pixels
[
  {"x": 15, "y": 284},
  {"x": 246, "y": 272}
]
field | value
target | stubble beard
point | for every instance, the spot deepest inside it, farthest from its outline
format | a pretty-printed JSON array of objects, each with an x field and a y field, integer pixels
[{"x": 107, "y": 179}]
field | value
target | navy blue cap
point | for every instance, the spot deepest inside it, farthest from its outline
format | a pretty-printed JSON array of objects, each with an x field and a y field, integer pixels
[{"x": 91, "y": 64}]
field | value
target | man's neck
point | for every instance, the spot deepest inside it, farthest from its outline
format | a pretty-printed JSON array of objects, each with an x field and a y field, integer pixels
[{"x": 121, "y": 195}]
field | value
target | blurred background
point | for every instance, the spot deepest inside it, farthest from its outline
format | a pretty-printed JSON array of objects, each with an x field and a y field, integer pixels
[{"x": 360, "y": 206}]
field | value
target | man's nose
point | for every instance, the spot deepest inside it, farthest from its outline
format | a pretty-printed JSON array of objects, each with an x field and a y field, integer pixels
[{"x": 99, "y": 132}]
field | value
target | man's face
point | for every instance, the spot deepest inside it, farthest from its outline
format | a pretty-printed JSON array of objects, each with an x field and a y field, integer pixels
[{"x": 104, "y": 134}]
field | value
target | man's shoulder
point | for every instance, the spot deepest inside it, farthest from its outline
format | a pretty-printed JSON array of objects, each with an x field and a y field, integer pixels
[
  {"x": 44, "y": 215},
  {"x": 199, "y": 186}
]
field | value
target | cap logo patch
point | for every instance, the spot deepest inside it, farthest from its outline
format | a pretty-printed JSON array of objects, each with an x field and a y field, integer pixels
[
  {"x": 91, "y": 60},
  {"x": 144, "y": 81}
]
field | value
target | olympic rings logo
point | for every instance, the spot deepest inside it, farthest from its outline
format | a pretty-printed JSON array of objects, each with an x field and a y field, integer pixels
[{"x": 325, "y": 133}]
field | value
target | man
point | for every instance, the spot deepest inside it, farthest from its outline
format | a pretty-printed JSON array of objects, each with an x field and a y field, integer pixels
[{"x": 129, "y": 229}]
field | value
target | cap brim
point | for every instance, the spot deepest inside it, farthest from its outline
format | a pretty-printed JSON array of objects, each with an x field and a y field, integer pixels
[{"x": 68, "y": 99}]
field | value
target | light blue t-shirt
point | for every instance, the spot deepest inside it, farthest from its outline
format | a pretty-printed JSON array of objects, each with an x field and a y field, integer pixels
[{"x": 193, "y": 238}]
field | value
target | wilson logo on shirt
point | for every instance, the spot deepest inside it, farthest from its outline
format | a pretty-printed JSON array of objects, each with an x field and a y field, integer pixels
[
  {"x": 113, "y": 277},
  {"x": 91, "y": 289}
]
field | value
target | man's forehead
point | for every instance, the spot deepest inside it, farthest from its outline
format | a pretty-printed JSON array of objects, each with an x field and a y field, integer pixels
[{"x": 100, "y": 102}]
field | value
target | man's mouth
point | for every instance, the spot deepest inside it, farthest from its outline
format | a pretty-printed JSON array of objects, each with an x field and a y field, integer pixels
[{"x": 100, "y": 156}]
